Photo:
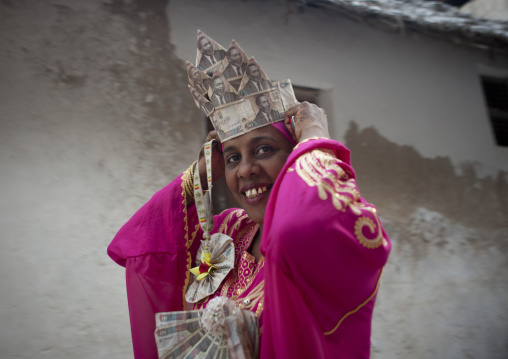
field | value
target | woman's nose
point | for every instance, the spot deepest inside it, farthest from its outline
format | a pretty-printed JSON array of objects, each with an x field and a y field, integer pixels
[{"x": 248, "y": 168}]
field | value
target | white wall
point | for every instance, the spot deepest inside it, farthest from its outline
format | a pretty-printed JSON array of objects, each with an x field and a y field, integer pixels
[
  {"x": 81, "y": 149},
  {"x": 489, "y": 9}
]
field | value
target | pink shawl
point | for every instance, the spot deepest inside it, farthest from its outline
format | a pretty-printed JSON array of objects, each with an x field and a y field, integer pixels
[{"x": 324, "y": 252}]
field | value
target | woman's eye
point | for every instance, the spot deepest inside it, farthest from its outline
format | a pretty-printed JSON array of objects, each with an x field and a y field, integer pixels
[
  {"x": 232, "y": 159},
  {"x": 263, "y": 150}
]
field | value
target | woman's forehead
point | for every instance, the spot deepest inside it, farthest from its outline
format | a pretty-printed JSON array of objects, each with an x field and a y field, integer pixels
[{"x": 268, "y": 133}]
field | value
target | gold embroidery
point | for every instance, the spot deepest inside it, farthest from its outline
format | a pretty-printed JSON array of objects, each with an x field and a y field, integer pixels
[
  {"x": 187, "y": 182},
  {"x": 224, "y": 226},
  {"x": 256, "y": 271},
  {"x": 259, "y": 309},
  {"x": 255, "y": 297},
  {"x": 187, "y": 276},
  {"x": 318, "y": 168},
  {"x": 185, "y": 178},
  {"x": 363, "y": 222},
  {"x": 357, "y": 308},
  {"x": 242, "y": 277},
  {"x": 244, "y": 238}
]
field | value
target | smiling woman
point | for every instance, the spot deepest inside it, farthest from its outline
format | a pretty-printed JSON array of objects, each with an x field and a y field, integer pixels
[
  {"x": 253, "y": 163},
  {"x": 303, "y": 255},
  {"x": 308, "y": 250}
]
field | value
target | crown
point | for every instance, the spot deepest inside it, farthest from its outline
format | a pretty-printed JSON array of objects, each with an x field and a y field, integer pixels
[{"x": 234, "y": 91}]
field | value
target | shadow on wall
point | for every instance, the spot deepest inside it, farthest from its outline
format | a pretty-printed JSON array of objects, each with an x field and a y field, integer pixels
[{"x": 398, "y": 180}]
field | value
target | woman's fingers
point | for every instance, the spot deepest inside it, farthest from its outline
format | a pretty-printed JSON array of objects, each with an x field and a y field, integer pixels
[{"x": 306, "y": 120}]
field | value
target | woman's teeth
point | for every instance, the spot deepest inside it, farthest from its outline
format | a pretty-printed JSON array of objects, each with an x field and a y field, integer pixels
[{"x": 253, "y": 193}]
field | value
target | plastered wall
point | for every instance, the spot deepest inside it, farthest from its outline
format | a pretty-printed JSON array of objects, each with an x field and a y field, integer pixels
[{"x": 95, "y": 117}]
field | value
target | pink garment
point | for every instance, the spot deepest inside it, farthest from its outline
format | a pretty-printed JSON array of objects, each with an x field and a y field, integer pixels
[
  {"x": 322, "y": 263},
  {"x": 158, "y": 246},
  {"x": 281, "y": 127},
  {"x": 319, "y": 270}
]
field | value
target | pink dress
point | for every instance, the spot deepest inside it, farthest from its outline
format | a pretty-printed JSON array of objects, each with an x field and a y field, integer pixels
[{"x": 324, "y": 250}]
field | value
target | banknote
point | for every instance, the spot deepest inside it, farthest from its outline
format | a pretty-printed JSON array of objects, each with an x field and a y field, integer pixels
[
  {"x": 254, "y": 110},
  {"x": 171, "y": 317},
  {"x": 209, "y": 54},
  {"x": 181, "y": 335}
]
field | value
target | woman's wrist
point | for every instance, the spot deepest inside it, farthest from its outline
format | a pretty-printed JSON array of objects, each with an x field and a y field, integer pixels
[{"x": 313, "y": 132}]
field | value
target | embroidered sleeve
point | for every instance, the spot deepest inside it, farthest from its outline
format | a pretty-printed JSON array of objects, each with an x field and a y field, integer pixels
[{"x": 334, "y": 182}]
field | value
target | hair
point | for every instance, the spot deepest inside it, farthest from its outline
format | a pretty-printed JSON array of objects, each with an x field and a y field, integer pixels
[
  {"x": 261, "y": 95},
  {"x": 199, "y": 40},
  {"x": 248, "y": 67},
  {"x": 215, "y": 77},
  {"x": 228, "y": 53},
  {"x": 191, "y": 68}
]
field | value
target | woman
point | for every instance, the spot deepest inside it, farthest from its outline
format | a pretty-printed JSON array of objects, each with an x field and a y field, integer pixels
[{"x": 309, "y": 251}]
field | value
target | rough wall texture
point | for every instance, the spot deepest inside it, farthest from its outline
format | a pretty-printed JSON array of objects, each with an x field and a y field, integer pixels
[
  {"x": 94, "y": 118},
  {"x": 443, "y": 294}
]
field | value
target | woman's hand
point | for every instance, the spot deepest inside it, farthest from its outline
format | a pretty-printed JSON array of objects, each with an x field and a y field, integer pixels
[
  {"x": 217, "y": 160},
  {"x": 310, "y": 121}
]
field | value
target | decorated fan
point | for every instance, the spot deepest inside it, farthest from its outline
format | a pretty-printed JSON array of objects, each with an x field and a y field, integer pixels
[{"x": 222, "y": 330}]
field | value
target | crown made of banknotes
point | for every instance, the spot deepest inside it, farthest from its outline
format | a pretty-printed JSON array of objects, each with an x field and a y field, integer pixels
[{"x": 233, "y": 91}]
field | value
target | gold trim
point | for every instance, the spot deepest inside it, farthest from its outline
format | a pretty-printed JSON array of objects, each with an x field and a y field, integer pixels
[
  {"x": 186, "y": 229},
  {"x": 363, "y": 222},
  {"x": 318, "y": 168},
  {"x": 187, "y": 277},
  {"x": 260, "y": 264},
  {"x": 188, "y": 182},
  {"x": 188, "y": 195},
  {"x": 224, "y": 225},
  {"x": 357, "y": 308}
]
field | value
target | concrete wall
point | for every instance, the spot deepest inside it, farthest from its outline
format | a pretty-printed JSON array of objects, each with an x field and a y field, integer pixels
[
  {"x": 489, "y": 9},
  {"x": 95, "y": 117}
]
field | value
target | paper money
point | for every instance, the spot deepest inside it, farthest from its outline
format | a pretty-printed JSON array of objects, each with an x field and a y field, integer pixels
[
  {"x": 181, "y": 335},
  {"x": 254, "y": 110}
]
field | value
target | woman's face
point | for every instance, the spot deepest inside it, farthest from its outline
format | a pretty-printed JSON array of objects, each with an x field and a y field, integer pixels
[{"x": 252, "y": 163}]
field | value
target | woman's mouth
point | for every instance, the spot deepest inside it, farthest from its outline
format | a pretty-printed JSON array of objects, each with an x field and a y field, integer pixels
[
  {"x": 256, "y": 194},
  {"x": 253, "y": 193}
]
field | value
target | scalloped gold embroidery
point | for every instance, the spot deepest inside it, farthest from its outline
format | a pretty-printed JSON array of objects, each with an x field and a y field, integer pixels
[
  {"x": 374, "y": 228},
  {"x": 186, "y": 177},
  {"x": 319, "y": 168}
]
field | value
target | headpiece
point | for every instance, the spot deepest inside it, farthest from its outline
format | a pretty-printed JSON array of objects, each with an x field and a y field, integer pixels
[{"x": 234, "y": 91}]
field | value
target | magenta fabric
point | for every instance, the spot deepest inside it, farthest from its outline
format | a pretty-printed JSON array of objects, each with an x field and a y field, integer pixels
[
  {"x": 281, "y": 127},
  {"x": 156, "y": 248},
  {"x": 316, "y": 269}
]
